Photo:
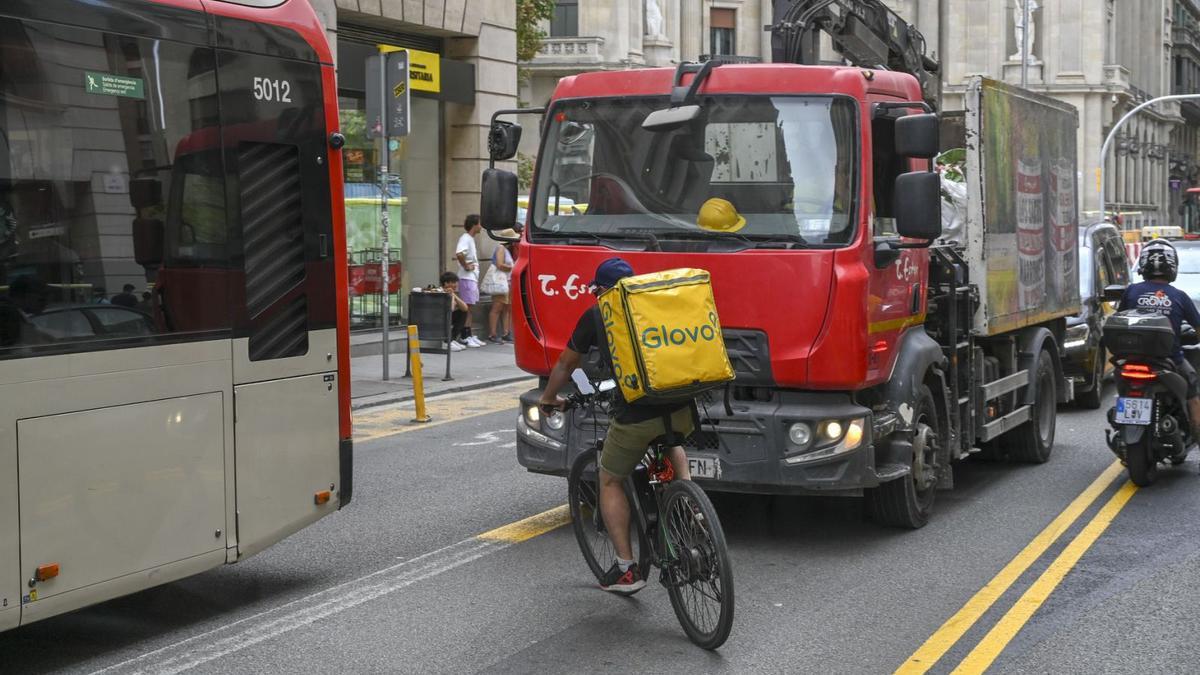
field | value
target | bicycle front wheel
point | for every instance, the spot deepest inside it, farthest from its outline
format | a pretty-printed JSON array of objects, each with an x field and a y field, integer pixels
[
  {"x": 583, "y": 499},
  {"x": 698, "y": 574}
]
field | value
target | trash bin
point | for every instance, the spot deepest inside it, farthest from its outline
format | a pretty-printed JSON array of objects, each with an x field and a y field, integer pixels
[{"x": 430, "y": 312}]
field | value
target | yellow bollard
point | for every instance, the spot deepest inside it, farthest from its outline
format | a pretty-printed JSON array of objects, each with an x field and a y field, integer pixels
[{"x": 414, "y": 350}]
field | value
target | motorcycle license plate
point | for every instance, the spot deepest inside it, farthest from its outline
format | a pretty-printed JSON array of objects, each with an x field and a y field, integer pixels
[{"x": 1134, "y": 410}]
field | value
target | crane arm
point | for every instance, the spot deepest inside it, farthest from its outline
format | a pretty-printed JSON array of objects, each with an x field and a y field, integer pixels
[{"x": 866, "y": 32}]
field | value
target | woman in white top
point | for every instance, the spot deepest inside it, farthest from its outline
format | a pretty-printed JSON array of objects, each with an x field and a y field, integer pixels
[{"x": 501, "y": 313}]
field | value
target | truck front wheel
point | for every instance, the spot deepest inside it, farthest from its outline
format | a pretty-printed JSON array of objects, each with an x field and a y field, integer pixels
[
  {"x": 1033, "y": 441},
  {"x": 908, "y": 501}
]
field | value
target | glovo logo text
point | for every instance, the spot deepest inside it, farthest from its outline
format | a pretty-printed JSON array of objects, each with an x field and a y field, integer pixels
[
  {"x": 606, "y": 313},
  {"x": 657, "y": 337}
]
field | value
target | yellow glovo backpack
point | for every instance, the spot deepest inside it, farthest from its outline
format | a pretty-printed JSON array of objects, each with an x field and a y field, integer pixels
[{"x": 664, "y": 336}]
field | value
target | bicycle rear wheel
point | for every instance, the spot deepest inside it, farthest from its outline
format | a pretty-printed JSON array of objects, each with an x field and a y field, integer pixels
[
  {"x": 583, "y": 498},
  {"x": 698, "y": 575}
]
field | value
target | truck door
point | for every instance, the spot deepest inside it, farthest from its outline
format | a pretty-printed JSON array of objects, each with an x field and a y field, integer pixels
[{"x": 896, "y": 296}]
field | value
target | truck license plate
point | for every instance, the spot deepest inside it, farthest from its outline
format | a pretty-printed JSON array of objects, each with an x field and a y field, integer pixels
[
  {"x": 1134, "y": 410},
  {"x": 704, "y": 467}
]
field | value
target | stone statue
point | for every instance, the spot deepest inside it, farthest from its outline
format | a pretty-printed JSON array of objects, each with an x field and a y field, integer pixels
[
  {"x": 655, "y": 24},
  {"x": 1019, "y": 28}
]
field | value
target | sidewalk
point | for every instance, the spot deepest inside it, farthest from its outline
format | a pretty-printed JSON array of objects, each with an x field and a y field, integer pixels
[{"x": 471, "y": 369}]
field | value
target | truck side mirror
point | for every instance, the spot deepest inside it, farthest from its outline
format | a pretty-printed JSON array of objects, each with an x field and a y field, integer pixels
[
  {"x": 1114, "y": 292},
  {"x": 498, "y": 204},
  {"x": 503, "y": 140},
  {"x": 918, "y": 206},
  {"x": 917, "y": 136},
  {"x": 145, "y": 192},
  {"x": 148, "y": 241}
]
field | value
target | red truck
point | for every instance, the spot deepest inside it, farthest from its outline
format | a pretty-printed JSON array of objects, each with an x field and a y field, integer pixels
[{"x": 871, "y": 349}]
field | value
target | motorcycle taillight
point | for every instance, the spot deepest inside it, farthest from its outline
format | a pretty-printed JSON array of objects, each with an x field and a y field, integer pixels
[{"x": 1137, "y": 371}]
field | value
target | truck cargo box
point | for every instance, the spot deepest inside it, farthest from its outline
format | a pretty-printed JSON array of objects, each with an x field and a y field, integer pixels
[{"x": 1022, "y": 222}]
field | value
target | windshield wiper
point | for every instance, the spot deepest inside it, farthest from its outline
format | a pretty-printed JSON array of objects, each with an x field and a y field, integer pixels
[
  {"x": 603, "y": 239},
  {"x": 751, "y": 240}
]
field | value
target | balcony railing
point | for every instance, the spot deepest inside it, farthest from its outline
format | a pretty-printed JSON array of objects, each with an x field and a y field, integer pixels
[
  {"x": 577, "y": 50},
  {"x": 1116, "y": 76}
]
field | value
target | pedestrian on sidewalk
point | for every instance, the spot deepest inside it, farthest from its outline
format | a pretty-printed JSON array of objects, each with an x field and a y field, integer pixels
[
  {"x": 468, "y": 275},
  {"x": 499, "y": 284},
  {"x": 459, "y": 311}
]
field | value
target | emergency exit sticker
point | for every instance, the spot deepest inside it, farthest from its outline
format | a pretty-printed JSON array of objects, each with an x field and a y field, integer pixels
[{"x": 114, "y": 85}]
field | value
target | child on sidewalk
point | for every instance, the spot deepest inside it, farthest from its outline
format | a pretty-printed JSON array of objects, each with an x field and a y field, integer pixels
[{"x": 458, "y": 314}]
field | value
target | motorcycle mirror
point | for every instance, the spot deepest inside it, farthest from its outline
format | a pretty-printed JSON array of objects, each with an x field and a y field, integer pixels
[{"x": 1114, "y": 292}]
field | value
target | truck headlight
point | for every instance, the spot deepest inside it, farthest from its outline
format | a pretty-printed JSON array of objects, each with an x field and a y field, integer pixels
[
  {"x": 1076, "y": 336},
  {"x": 533, "y": 417},
  {"x": 556, "y": 420},
  {"x": 833, "y": 430},
  {"x": 854, "y": 433},
  {"x": 800, "y": 434}
]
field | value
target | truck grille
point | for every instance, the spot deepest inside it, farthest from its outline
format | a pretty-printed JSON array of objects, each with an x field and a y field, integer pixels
[{"x": 750, "y": 355}]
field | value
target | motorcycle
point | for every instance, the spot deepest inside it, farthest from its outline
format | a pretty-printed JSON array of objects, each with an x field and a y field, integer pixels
[{"x": 1149, "y": 419}]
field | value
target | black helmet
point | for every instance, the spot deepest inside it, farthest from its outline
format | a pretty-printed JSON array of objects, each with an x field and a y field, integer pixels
[{"x": 1158, "y": 260}]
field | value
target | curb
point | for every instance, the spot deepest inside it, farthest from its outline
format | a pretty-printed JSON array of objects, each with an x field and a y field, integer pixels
[{"x": 389, "y": 399}]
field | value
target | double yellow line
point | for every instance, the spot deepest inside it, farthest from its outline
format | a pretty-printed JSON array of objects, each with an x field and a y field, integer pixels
[{"x": 990, "y": 647}]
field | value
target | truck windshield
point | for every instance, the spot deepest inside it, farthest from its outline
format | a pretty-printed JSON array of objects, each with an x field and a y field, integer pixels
[{"x": 785, "y": 164}]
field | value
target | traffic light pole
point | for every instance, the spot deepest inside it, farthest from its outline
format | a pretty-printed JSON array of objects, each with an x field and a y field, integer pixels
[{"x": 383, "y": 219}]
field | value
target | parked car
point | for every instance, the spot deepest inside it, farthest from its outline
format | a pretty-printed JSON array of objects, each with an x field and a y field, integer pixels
[
  {"x": 73, "y": 322},
  {"x": 1188, "y": 280},
  {"x": 1102, "y": 261}
]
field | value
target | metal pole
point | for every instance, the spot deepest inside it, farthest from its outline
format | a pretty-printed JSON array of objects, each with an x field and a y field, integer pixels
[
  {"x": 1024, "y": 43},
  {"x": 385, "y": 307},
  {"x": 1117, "y": 127}
]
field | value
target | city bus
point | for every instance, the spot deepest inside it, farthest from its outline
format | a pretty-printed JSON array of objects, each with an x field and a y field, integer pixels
[{"x": 174, "y": 350}]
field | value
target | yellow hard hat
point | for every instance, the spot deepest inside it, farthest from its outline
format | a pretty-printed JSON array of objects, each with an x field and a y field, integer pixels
[{"x": 719, "y": 215}]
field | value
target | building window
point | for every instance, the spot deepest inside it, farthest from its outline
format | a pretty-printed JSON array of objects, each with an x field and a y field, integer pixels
[
  {"x": 565, "y": 22},
  {"x": 722, "y": 24}
]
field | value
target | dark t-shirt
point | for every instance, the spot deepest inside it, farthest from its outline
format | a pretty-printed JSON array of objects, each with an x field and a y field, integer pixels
[
  {"x": 588, "y": 334},
  {"x": 125, "y": 300},
  {"x": 1166, "y": 300}
]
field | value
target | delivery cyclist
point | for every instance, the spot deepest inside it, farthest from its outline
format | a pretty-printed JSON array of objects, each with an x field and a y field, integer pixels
[
  {"x": 632, "y": 429},
  {"x": 1159, "y": 264}
]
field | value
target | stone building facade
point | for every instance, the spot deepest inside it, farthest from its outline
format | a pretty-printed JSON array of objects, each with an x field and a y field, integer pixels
[
  {"x": 466, "y": 50},
  {"x": 1104, "y": 57},
  {"x": 591, "y": 35}
]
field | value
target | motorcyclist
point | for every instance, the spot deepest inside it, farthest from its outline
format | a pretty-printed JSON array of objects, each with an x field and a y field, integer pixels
[{"x": 1159, "y": 264}]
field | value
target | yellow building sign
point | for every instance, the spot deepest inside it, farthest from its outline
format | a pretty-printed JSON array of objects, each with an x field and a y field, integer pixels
[{"x": 424, "y": 68}]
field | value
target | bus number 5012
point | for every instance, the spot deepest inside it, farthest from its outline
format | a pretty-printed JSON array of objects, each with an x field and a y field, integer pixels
[{"x": 266, "y": 89}]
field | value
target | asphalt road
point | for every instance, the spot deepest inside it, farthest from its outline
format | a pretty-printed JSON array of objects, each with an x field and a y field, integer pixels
[{"x": 400, "y": 582}]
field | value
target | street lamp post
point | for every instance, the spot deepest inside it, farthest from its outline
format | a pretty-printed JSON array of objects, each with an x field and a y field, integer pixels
[{"x": 1117, "y": 127}]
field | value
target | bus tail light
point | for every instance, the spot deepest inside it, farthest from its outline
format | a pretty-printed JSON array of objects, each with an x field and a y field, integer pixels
[
  {"x": 45, "y": 572},
  {"x": 322, "y": 497}
]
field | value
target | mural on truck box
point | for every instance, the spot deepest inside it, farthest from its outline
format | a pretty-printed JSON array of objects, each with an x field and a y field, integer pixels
[{"x": 1030, "y": 207}]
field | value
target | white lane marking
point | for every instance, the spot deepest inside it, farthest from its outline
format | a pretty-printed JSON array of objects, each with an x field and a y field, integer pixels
[
  {"x": 509, "y": 445},
  {"x": 272, "y": 623},
  {"x": 486, "y": 438}
]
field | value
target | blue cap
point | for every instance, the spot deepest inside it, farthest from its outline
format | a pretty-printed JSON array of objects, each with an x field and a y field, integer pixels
[{"x": 611, "y": 271}]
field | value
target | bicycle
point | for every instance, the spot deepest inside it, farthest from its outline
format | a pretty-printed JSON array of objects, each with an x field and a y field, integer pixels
[{"x": 690, "y": 551}]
